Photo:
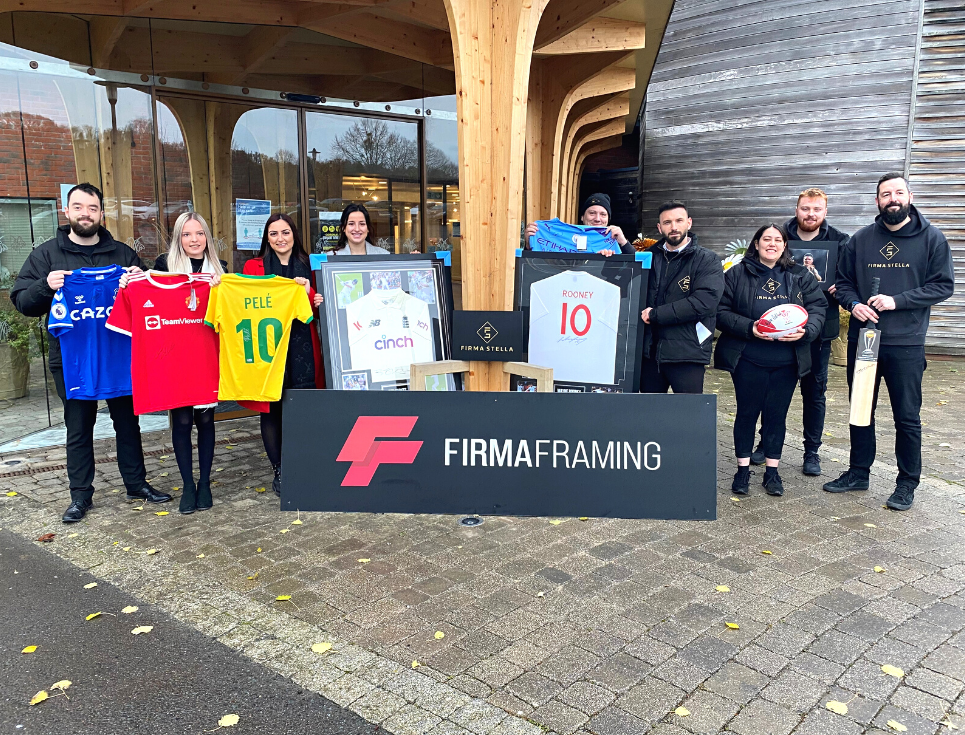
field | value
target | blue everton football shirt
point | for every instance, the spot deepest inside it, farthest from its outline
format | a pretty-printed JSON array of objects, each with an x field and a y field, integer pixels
[
  {"x": 557, "y": 236},
  {"x": 97, "y": 361}
]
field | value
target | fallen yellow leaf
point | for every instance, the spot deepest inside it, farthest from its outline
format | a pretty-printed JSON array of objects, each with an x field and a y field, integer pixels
[
  {"x": 880, "y": 570},
  {"x": 555, "y": 522},
  {"x": 321, "y": 647},
  {"x": 72, "y": 535},
  {"x": 254, "y": 576},
  {"x": 163, "y": 474},
  {"x": 38, "y": 698},
  {"x": 142, "y": 629},
  {"x": 296, "y": 522},
  {"x": 61, "y": 685},
  {"x": 90, "y": 586},
  {"x": 723, "y": 588},
  {"x": 897, "y": 726},
  {"x": 258, "y": 550},
  {"x": 138, "y": 507},
  {"x": 681, "y": 712},
  {"x": 283, "y": 598},
  {"x": 416, "y": 664},
  {"x": 199, "y": 556},
  {"x": 126, "y": 548},
  {"x": 93, "y": 615},
  {"x": 151, "y": 552},
  {"x": 284, "y": 530},
  {"x": 584, "y": 518},
  {"x": 11, "y": 494},
  {"x": 893, "y": 671},
  {"x": 129, "y": 609},
  {"x": 769, "y": 553},
  {"x": 228, "y": 721},
  {"x": 839, "y": 708},
  {"x": 440, "y": 635},
  {"x": 220, "y": 469},
  {"x": 164, "y": 456},
  {"x": 260, "y": 489},
  {"x": 541, "y": 594},
  {"x": 732, "y": 626},
  {"x": 161, "y": 513},
  {"x": 870, "y": 525},
  {"x": 364, "y": 561},
  {"x": 29, "y": 649},
  {"x": 736, "y": 500}
]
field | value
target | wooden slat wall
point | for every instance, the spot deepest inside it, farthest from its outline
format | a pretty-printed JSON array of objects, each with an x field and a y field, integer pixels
[
  {"x": 937, "y": 152},
  {"x": 753, "y": 100}
]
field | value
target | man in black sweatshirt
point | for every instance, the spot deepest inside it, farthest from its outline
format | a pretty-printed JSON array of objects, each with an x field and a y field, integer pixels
[
  {"x": 914, "y": 264},
  {"x": 685, "y": 287},
  {"x": 84, "y": 243},
  {"x": 809, "y": 224}
]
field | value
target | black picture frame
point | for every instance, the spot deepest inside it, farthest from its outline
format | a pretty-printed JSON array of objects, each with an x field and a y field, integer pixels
[
  {"x": 629, "y": 272},
  {"x": 825, "y": 254},
  {"x": 366, "y": 270}
]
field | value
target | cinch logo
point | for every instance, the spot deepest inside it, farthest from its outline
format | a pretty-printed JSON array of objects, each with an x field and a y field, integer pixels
[
  {"x": 366, "y": 453},
  {"x": 889, "y": 251},
  {"x": 388, "y": 344}
]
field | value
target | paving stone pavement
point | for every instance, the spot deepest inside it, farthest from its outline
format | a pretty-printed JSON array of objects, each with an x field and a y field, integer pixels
[{"x": 604, "y": 626}]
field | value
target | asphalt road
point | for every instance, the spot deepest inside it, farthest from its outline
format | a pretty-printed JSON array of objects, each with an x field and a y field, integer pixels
[{"x": 171, "y": 680}]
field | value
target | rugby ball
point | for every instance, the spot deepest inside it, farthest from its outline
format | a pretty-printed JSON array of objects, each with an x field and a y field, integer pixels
[{"x": 782, "y": 320}]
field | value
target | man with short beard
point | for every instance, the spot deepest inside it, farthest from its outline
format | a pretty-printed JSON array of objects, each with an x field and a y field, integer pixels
[
  {"x": 809, "y": 224},
  {"x": 912, "y": 259},
  {"x": 84, "y": 243},
  {"x": 685, "y": 287}
]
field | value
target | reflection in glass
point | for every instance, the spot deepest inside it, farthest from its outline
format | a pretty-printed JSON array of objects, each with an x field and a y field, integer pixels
[
  {"x": 442, "y": 185},
  {"x": 367, "y": 161}
]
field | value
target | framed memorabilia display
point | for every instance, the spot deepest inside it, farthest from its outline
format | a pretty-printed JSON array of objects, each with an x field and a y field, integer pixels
[
  {"x": 819, "y": 257},
  {"x": 382, "y": 313},
  {"x": 581, "y": 317}
]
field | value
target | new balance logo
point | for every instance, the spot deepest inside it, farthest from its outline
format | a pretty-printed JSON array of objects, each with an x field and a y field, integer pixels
[
  {"x": 375, "y": 322},
  {"x": 148, "y": 304},
  {"x": 366, "y": 453}
]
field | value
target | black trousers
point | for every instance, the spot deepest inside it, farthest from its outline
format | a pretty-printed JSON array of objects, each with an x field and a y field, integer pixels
[
  {"x": 814, "y": 386},
  {"x": 79, "y": 417},
  {"x": 765, "y": 393},
  {"x": 682, "y": 377},
  {"x": 902, "y": 368}
]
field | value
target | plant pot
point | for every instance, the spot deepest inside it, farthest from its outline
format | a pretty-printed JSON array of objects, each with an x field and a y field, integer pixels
[
  {"x": 14, "y": 373},
  {"x": 839, "y": 352}
]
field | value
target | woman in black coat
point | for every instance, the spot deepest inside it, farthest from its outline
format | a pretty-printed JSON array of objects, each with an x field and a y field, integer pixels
[{"x": 765, "y": 370}]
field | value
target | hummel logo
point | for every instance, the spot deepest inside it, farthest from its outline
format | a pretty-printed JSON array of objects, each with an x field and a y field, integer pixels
[
  {"x": 889, "y": 251},
  {"x": 148, "y": 304},
  {"x": 771, "y": 286}
]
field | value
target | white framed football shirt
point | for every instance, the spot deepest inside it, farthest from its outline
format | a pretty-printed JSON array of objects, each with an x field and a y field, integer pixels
[
  {"x": 388, "y": 331},
  {"x": 573, "y": 324}
]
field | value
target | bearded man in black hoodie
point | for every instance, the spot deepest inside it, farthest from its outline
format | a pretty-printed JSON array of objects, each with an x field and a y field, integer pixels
[{"x": 912, "y": 259}]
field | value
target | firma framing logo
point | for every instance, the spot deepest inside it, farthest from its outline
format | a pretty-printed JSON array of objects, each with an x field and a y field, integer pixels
[{"x": 364, "y": 450}]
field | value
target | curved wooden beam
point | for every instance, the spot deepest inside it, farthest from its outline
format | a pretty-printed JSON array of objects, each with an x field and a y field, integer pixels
[
  {"x": 573, "y": 206},
  {"x": 600, "y": 34},
  {"x": 590, "y": 133}
]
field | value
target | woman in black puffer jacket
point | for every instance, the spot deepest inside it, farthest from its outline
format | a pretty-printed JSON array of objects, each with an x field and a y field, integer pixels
[{"x": 765, "y": 370}]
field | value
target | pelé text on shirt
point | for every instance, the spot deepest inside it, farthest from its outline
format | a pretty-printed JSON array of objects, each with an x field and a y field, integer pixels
[{"x": 258, "y": 302}]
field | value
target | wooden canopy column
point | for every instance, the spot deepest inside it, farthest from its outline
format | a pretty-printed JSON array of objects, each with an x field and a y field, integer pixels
[{"x": 492, "y": 49}]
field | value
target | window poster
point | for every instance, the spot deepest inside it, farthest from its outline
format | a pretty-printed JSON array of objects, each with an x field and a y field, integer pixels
[
  {"x": 250, "y": 218},
  {"x": 382, "y": 313},
  {"x": 581, "y": 318}
]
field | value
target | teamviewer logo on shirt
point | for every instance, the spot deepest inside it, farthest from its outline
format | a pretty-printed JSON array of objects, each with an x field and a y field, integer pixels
[
  {"x": 152, "y": 322},
  {"x": 366, "y": 452}
]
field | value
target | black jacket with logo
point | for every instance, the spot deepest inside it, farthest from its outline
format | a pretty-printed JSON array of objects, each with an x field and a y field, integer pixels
[
  {"x": 737, "y": 304},
  {"x": 915, "y": 268},
  {"x": 32, "y": 296},
  {"x": 684, "y": 288},
  {"x": 826, "y": 234}
]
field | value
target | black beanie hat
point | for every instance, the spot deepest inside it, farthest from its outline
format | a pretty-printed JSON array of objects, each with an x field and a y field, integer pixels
[{"x": 601, "y": 200}]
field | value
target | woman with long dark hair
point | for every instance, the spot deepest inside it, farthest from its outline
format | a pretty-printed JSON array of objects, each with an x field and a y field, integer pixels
[
  {"x": 354, "y": 229},
  {"x": 282, "y": 254},
  {"x": 765, "y": 370}
]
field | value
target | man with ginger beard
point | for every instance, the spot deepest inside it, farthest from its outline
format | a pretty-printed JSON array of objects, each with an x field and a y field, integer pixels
[
  {"x": 809, "y": 224},
  {"x": 84, "y": 243},
  {"x": 685, "y": 287}
]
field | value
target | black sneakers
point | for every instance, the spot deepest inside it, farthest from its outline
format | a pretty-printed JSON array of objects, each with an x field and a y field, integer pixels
[
  {"x": 848, "y": 482},
  {"x": 812, "y": 464},
  {"x": 149, "y": 494},
  {"x": 901, "y": 498},
  {"x": 742, "y": 481},
  {"x": 772, "y": 482},
  {"x": 757, "y": 456},
  {"x": 77, "y": 510}
]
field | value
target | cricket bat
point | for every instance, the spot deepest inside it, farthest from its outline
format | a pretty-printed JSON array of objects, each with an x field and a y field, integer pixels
[{"x": 865, "y": 369}]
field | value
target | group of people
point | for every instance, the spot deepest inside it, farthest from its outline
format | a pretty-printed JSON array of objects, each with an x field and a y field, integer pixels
[
  {"x": 688, "y": 298},
  {"x": 85, "y": 243},
  {"x": 690, "y": 295}
]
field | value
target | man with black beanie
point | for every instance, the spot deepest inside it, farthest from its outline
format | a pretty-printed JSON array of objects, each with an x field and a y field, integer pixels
[
  {"x": 84, "y": 243},
  {"x": 913, "y": 261},
  {"x": 685, "y": 287}
]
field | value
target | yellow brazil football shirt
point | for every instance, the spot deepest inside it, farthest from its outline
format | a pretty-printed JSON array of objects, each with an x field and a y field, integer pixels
[{"x": 253, "y": 316}]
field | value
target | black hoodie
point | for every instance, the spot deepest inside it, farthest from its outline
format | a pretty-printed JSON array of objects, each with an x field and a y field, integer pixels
[
  {"x": 826, "y": 234},
  {"x": 32, "y": 296},
  {"x": 915, "y": 268}
]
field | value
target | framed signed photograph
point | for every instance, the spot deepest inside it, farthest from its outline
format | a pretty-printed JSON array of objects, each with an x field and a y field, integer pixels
[{"x": 819, "y": 257}]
